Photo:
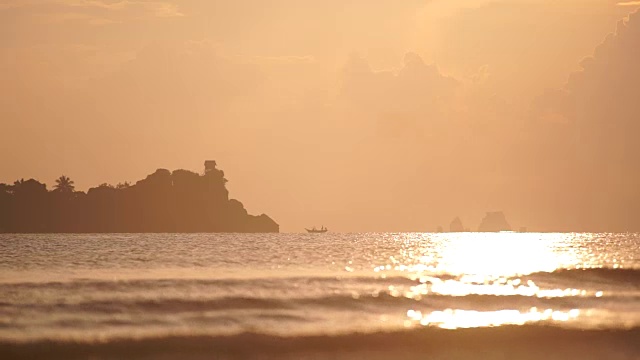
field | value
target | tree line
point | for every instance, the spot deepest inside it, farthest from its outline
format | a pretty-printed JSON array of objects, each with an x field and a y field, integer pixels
[{"x": 165, "y": 201}]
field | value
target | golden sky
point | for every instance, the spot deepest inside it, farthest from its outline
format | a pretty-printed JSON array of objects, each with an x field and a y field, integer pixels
[{"x": 359, "y": 115}]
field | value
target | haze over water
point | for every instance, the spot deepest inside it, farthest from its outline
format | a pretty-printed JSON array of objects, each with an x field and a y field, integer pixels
[
  {"x": 366, "y": 115},
  {"x": 164, "y": 294}
]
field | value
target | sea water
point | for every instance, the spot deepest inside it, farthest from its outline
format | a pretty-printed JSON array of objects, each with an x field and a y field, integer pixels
[{"x": 344, "y": 296}]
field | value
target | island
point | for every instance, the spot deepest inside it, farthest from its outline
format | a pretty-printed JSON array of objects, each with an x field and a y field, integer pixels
[
  {"x": 178, "y": 201},
  {"x": 456, "y": 225},
  {"x": 493, "y": 222}
]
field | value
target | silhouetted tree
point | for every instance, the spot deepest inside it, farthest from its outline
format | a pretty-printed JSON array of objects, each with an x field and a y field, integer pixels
[
  {"x": 30, "y": 206},
  {"x": 123, "y": 185},
  {"x": 64, "y": 184},
  {"x": 6, "y": 194}
]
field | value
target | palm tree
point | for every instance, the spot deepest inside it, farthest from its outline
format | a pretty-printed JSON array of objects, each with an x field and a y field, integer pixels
[
  {"x": 124, "y": 185},
  {"x": 64, "y": 184}
]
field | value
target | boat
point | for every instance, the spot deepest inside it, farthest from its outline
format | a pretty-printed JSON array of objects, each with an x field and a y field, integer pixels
[{"x": 317, "y": 231}]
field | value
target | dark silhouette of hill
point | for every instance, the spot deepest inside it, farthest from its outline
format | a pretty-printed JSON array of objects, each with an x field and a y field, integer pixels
[
  {"x": 494, "y": 221},
  {"x": 456, "y": 225},
  {"x": 165, "y": 201}
]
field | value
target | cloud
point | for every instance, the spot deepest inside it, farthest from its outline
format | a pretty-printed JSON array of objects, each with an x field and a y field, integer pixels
[
  {"x": 601, "y": 98},
  {"x": 629, "y": 3},
  {"x": 69, "y": 17},
  {"x": 416, "y": 88},
  {"x": 158, "y": 8},
  {"x": 91, "y": 12},
  {"x": 529, "y": 45},
  {"x": 596, "y": 114}
]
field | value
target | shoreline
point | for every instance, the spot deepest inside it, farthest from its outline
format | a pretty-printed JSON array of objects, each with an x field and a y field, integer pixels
[{"x": 522, "y": 342}]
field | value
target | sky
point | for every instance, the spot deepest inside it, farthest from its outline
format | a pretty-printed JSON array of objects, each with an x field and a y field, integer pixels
[{"x": 357, "y": 115}]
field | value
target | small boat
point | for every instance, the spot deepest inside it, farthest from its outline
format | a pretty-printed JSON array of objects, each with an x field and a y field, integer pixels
[{"x": 317, "y": 231}]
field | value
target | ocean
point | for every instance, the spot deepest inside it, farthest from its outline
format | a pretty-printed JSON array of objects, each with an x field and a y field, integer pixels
[{"x": 320, "y": 296}]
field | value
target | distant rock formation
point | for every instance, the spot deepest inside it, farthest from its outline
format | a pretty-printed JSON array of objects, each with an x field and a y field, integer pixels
[
  {"x": 493, "y": 222},
  {"x": 456, "y": 225},
  {"x": 165, "y": 201}
]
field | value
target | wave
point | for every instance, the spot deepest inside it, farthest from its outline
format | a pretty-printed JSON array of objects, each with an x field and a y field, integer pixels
[
  {"x": 619, "y": 276},
  {"x": 362, "y": 302},
  {"x": 351, "y": 293},
  {"x": 521, "y": 342},
  {"x": 623, "y": 275},
  {"x": 111, "y": 285},
  {"x": 589, "y": 279}
]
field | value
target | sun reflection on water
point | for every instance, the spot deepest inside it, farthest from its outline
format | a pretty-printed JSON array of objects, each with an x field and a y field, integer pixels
[
  {"x": 458, "y": 319},
  {"x": 499, "y": 254},
  {"x": 482, "y": 263},
  {"x": 485, "y": 264},
  {"x": 483, "y": 255},
  {"x": 462, "y": 288}
]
